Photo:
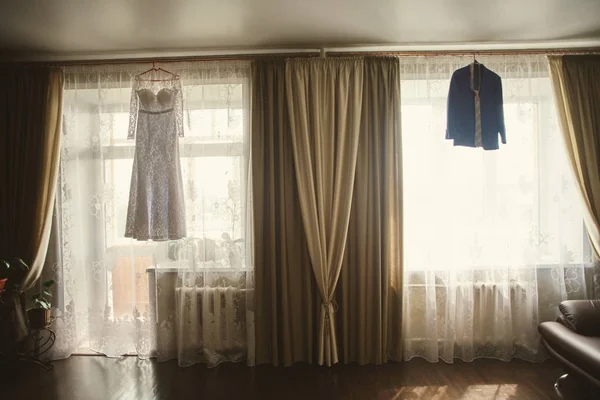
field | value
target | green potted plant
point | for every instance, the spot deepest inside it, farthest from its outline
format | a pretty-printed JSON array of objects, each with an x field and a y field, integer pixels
[
  {"x": 12, "y": 311},
  {"x": 39, "y": 314}
]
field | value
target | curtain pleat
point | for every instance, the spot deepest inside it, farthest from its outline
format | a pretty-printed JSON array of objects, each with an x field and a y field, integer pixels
[
  {"x": 49, "y": 162},
  {"x": 286, "y": 296},
  {"x": 324, "y": 102},
  {"x": 30, "y": 122},
  {"x": 576, "y": 83},
  {"x": 370, "y": 287}
]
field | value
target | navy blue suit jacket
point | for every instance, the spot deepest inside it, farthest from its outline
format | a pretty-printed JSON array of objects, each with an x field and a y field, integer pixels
[{"x": 461, "y": 108}]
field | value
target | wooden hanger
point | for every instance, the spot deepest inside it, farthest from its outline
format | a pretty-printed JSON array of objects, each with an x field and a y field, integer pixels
[{"x": 157, "y": 69}]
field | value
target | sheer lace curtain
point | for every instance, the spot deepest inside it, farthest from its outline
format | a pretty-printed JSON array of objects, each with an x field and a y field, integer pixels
[
  {"x": 494, "y": 240},
  {"x": 189, "y": 299}
]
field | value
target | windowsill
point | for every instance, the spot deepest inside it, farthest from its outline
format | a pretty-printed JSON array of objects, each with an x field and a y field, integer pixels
[
  {"x": 171, "y": 268},
  {"x": 483, "y": 268}
]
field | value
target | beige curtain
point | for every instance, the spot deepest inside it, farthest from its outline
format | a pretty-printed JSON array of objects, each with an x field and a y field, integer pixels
[
  {"x": 30, "y": 123},
  {"x": 576, "y": 83},
  {"x": 370, "y": 287},
  {"x": 291, "y": 322},
  {"x": 324, "y": 102},
  {"x": 286, "y": 299}
]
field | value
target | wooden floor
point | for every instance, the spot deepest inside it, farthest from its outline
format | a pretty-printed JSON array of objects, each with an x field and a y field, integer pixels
[{"x": 89, "y": 378}]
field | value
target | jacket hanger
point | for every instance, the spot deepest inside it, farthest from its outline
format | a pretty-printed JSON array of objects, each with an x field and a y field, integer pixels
[{"x": 154, "y": 68}]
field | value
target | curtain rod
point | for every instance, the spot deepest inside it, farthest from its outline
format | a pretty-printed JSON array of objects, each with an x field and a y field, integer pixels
[
  {"x": 547, "y": 52},
  {"x": 322, "y": 53},
  {"x": 147, "y": 60}
]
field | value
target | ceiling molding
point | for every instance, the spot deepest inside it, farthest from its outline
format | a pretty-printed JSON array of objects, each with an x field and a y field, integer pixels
[
  {"x": 153, "y": 55},
  {"x": 323, "y": 50}
]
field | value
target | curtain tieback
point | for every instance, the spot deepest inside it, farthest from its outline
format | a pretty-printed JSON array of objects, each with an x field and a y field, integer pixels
[{"x": 329, "y": 307}]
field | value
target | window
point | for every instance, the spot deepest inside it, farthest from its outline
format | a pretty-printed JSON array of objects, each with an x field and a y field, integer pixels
[
  {"x": 95, "y": 184},
  {"x": 469, "y": 208}
]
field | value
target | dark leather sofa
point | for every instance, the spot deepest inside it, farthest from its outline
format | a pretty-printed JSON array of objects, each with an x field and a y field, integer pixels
[{"x": 574, "y": 340}]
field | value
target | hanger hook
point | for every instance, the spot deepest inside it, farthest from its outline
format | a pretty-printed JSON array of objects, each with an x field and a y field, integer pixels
[{"x": 153, "y": 64}]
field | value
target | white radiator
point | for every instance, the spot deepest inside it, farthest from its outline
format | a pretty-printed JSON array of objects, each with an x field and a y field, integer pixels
[
  {"x": 487, "y": 295},
  {"x": 211, "y": 318},
  {"x": 498, "y": 310}
]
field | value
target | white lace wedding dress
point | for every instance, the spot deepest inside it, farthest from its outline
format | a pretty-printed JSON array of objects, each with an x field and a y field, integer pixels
[{"x": 156, "y": 209}]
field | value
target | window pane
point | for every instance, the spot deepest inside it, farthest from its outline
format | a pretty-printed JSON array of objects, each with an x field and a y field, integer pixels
[{"x": 466, "y": 208}]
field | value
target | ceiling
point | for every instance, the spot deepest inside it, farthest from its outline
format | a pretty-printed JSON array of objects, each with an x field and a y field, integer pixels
[{"x": 67, "y": 27}]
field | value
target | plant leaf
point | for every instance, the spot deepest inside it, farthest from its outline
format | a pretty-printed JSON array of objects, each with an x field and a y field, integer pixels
[
  {"x": 47, "y": 293},
  {"x": 22, "y": 263},
  {"x": 39, "y": 303},
  {"x": 49, "y": 283}
]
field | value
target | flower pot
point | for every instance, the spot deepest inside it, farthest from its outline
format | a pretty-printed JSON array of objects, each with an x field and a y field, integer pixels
[
  {"x": 2, "y": 284},
  {"x": 39, "y": 318}
]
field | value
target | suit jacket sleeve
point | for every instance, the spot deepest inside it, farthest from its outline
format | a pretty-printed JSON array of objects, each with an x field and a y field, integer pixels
[
  {"x": 453, "y": 102},
  {"x": 500, "y": 112}
]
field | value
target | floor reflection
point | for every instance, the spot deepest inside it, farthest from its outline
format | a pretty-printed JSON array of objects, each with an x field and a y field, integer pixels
[{"x": 96, "y": 377}]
